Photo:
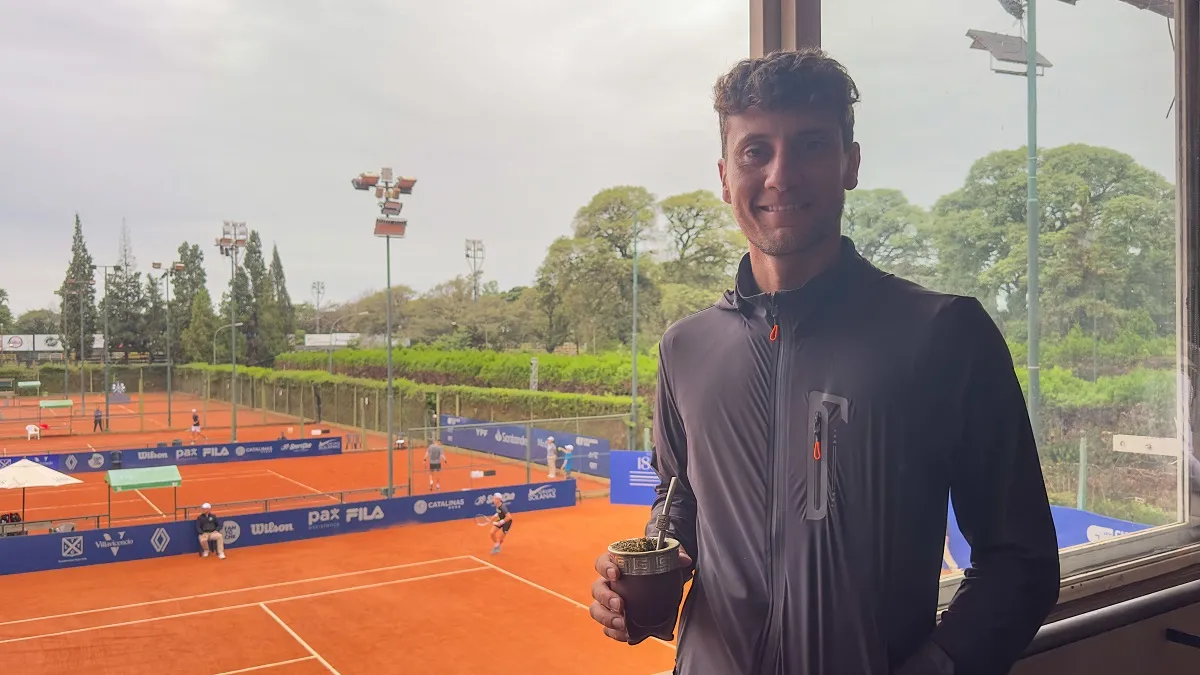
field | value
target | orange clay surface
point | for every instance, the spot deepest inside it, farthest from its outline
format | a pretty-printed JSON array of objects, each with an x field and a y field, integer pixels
[
  {"x": 244, "y": 486},
  {"x": 421, "y": 599}
]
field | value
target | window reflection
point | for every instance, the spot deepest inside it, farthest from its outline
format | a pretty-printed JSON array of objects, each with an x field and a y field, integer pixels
[{"x": 944, "y": 199}]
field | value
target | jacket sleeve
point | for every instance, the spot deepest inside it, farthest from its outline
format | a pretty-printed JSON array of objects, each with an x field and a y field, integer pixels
[
  {"x": 199, "y": 529},
  {"x": 1000, "y": 502},
  {"x": 670, "y": 460}
]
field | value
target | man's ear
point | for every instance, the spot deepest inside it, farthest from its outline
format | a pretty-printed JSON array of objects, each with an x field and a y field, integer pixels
[
  {"x": 725, "y": 196},
  {"x": 853, "y": 161}
]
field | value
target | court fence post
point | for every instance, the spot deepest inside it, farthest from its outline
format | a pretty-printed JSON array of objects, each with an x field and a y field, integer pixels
[
  {"x": 301, "y": 410},
  {"x": 528, "y": 453},
  {"x": 142, "y": 399},
  {"x": 207, "y": 394},
  {"x": 262, "y": 399}
]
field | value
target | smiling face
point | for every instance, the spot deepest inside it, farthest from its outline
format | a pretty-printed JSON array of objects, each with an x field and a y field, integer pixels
[{"x": 785, "y": 172}]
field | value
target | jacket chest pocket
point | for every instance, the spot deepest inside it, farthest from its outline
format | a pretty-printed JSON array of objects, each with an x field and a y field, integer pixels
[{"x": 827, "y": 413}]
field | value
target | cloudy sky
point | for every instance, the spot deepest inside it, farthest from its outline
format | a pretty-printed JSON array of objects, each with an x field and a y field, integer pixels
[{"x": 175, "y": 115}]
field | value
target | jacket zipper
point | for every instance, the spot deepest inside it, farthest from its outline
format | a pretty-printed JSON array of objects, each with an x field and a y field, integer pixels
[
  {"x": 773, "y": 652},
  {"x": 815, "y": 478}
]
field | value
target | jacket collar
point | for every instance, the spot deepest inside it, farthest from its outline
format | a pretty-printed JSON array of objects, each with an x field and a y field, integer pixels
[{"x": 850, "y": 270}]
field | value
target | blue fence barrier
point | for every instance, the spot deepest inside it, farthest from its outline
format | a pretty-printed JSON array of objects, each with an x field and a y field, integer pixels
[
  {"x": 183, "y": 455},
  {"x": 93, "y": 547},
  {"x": 591, "y": 455},
  {"x": 1074, "y": 527},
  {"x": 631, "y": 478}
]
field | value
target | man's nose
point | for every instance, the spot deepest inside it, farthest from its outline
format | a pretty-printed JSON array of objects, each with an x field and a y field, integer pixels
[{"x": 783, "y": 171}]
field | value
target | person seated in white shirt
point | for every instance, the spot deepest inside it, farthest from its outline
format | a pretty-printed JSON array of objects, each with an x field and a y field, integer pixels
[{"x": 32, "y": 431}]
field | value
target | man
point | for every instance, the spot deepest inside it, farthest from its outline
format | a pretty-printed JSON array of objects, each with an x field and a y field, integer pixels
[
  {"x": 501, "y": 522},
  {"x": 551, "y": 457},
  {"x": 196, "y": 434},
  {"x": 817, "y": 418},
  {"x": 208, "y": 527},
  {"x": 97, "y": 420},
  {"x": 435, "y": 454}
]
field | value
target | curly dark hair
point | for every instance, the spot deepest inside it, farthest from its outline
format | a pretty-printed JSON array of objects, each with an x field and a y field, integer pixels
[{"x": 786, "y": 81}]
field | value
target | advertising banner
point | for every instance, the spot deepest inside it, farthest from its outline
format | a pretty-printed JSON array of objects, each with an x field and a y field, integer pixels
[
  {"x": 183, "y": 455},
  {"x": 16, "y": 343},
  {"x": 632, "y": 479},
  {"x": 92, "y": 547},
  {"x": 591, "y": 455},
  {"x": 1073, "y": 527}
]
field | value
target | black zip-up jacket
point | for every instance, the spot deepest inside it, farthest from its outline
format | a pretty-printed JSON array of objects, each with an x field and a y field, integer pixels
[
  {"x": 207, "y": 522},
  {"x": 816, "y": 434}
]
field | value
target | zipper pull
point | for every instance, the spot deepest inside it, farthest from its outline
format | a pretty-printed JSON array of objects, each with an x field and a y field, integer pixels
[
  {"x": 817, "y": 437},
  {"x": 773, "y": 319}
]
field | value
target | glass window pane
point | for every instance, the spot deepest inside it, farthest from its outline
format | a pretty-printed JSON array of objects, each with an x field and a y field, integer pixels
[{"x": 944, "y": 200}]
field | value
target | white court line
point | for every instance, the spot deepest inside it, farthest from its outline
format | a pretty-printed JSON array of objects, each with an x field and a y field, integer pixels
[
  {"x": 540, "y": 587},
  {"x": 156, "y": 509},
  {"x": 134, "y": 412},
  {"x": 75, "y": 504},
  {"x": 298, "y": 483},
  {"x": 227, "y": 608},
  {"x": 278, "y": 663},
  {"x": 211, "y": 594},
  {"x": 299, "y": 639}
]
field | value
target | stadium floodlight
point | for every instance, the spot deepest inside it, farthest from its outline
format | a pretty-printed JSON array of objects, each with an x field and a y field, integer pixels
[
  {"x": 234, "y": 237},
  {"x": 1161, "y": 7},
  {"x": 389, "y": 188}
]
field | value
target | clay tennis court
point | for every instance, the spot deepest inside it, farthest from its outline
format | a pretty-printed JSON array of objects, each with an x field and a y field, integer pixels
[{"x": 424, "y": 599}]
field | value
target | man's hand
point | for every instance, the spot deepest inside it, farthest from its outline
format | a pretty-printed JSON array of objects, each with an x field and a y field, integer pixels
[{"x": 608, "y": 608}]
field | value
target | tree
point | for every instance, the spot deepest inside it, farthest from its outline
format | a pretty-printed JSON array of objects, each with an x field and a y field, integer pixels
[
  {"x": 154, "y": 321},
  {"x": 282, "y": 297},
  {"x": 37, "y": 322},
  {"x": 239, "y": 290},
  {"x": 1107, "y": 241},
  {"x": 6, "y": 317},
  {"x": 890, "y": 232},
  {"x": 703, "y": 245},
  {"x": 197, "y": 338},
  {"x": 264, "y": 324},
  {"x": 124, "y": 301},
  {"x": 610, "y": 216},
  {"x": 184, "y": 286},
  {"x": 78, "y": 296}
]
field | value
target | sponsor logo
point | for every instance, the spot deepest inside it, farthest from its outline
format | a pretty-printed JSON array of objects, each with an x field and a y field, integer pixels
[
  {"x": 112, "y": 543},
  {"x": 70, "y": 463},
  {"x": 482, "y": 433},
  {"x": 15, "y": 342},
  {"x": 215, "y": 452},
  {"x": 51, "y": 341},
  {"x": 72, "y": 547},
  {"x": 187, "y": 453},
  {"x": 151, "y": 454},
  {"x": 331, "y": 444},
  {"x": 505, "y": 497},
  {"x": 421, "y": 506},
  {"x": 509, "y": 439},
  {"x": 364, "y": 513},
  {"x": 1101, "y": 533},
  {"x": 447, "y": 503},
  {"x": 542, "y": 493},
  {"x": 96, "y": 460},
  {"x": 231, "y": 531},
  {"x": 259, "y": 529},
  {"x": 5, "y": 461},
  {"x": 455, "y": 420},
  {"x": 303, "y": 447},
  {"x": 319, "y": 519},
  {"x": 643, "y": 475},
  {"x": 160, "y": 539},
  {"x": 586, "y": 442},
  {"x": 239, "y": 451}
]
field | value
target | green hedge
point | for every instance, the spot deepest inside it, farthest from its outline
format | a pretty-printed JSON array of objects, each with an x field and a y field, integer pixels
[
  {"x": 415, "y": 400},
  {"x": 601, "y": 374}
]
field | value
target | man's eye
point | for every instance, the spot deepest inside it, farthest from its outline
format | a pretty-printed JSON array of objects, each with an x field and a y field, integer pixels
[{"x": 814, "y": 145}]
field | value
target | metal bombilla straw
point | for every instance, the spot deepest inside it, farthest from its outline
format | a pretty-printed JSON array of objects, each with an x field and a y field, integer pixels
[{"x": 662, "y": 521}]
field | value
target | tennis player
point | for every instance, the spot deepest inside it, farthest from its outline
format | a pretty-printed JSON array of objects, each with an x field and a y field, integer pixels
[
  {"x": 568, "y": 455},
  {"x": 196, "y": 426},
  {"x": 435, "y": 455},
  {"x": 501, "y": 523}
]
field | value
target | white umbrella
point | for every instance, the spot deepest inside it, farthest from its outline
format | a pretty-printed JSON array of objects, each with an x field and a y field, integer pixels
[{"x": 26, "y": 474}]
